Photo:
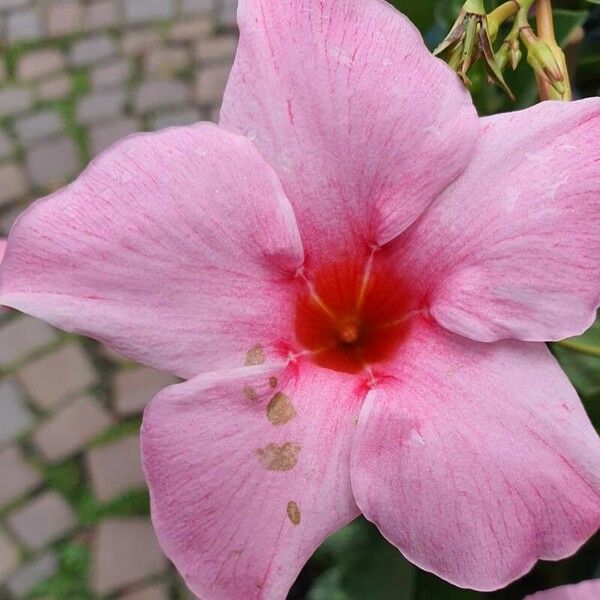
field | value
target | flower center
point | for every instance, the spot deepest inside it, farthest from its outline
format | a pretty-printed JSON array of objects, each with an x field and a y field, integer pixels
[{"x": 354, "y": 314}]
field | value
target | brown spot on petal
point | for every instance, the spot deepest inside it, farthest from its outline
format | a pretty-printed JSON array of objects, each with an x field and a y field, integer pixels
[
  {"x": 251, "y": 393},
  {"x": 255, "y": 356},
  {"x": 293, "y": 513},
  {"x": 273, "y": 382},
  {"x": 279, "y": 458},
  {"x": 280, "y": 410}
]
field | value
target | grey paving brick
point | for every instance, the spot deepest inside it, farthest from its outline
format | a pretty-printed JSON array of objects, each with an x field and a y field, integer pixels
[
  {"x": 39, "y": 125},
  {"x": 42, "y": 520},
  {"x": 139, "y": 41},
  {"x": 52, "y": 163},
  {"x": 152, "y": 95},
  {"x": 104, "y": 135},
  {"x": 18, "y": 477},
  {"x": 54, "y": 87},
  {"x": 15, "y": 417},
  {"x": 68, "y": 431},
  {"x": 197, "y": 6},
  {"x": 228, "y": 13},
  {"x": 115, "y": 468},
  {"x": 158, "y": 591},
  {"x": 100, "y": 106},
  {"x": 9, "y": 556},
  {"x": 142, "y": 11},
  {"x": 58, "y": 376},
  {"x": 15, "y": 100},
  {"x": 101, "y": 14},
  {"x": 210, "y": 84},
  {"x": 12, "y": 184},
  {"x": 125, "y": 551},
  {"x": 24, "y": 25},
  {"x": 21, "y": 337},
  {"x": 192, "y": 29},
  {"x": 37, "y": 570},
  {"x": 6, "y": 145},
  {"x": 217, "y": 49},
  {"x": 167, "y": 61},
  {"x": 185, "y": 116},
  {"x": 63, "y": 17},
  {"x": 12, "y": 4},
  {"x": 39, "y": 63},
  {"x": 111, "y": 74},
  {"x": 91, "y": 50},
  {"x": 134, "y": 388}
]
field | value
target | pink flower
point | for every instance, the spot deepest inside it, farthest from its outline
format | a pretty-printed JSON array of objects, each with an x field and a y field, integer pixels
[
  {"x": 2, "y": 248},
  {"x": 586, "y": 590},
  {"x": 358, "y": 273}
]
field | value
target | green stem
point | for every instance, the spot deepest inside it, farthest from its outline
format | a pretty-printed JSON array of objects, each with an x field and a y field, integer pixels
[{"x": 580, "y": 348}]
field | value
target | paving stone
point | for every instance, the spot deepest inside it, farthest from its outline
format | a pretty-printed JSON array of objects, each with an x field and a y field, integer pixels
[
  {"x": 197, "y": 6},
  {"x": 71, "y": 429},
  {"x": 124, "y": 552},
  {"x": 24, "y": 25},
  {"x": 17, "y": 476},
  {"x": 55, "y": 377},
  {"x": 12, "y": 184},
  {"x": 11, "y": 4},
  {"x": 21, "y": 337},
  {"x": 141, "y": 11},
  {"x": 103, "y": 136},
  {"x": 6, "y": 145},
  {"x": 228, "y": 13},
  {"x": 54, "y": 88},
  {"x": 186, "y": 116},
  {"x": 9, "y": 557},
  {"x": 134, "y": 388},
  {"x": 140, "y": 41},
  {"x": 211, "y": 83},
  {"x": 101, "y": 14},
  {"x": 116, "y": 468},
  {"x": 191, "y": 29},
  {"x": 63, "y": 17},
  {"x": 15, "y": 417},
  {"x": 101, "y": 106},
  {"x": 152, "y": 95},
  {"x": 27, "y": 577},
  {"x": 157, "y": 591},
  {"x": 218, "y": 49},
  {"x": 112, "y": 74},
  {"x": 39, "y": 125},
  {"x": 42, "y": 520},
  {"x": 167, "y": 61},
  {"x": 15, "y": 100},
  {"x": 39, "y": 63},
  {"x": 51, "y": 163},
  {"x": 91, "y": 50}
]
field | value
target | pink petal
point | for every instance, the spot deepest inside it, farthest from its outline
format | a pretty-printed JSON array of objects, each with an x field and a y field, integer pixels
[
  {"x": 586, "y": 590},
  {"x": 477, "y": 459},
  {"x": 512, "y": 248},
  {"x": 249, "y": 474},
  {"x": 2, "y": 248},
  {"x": 362, "y": 124},
  {"x": 175, "y": 248}
]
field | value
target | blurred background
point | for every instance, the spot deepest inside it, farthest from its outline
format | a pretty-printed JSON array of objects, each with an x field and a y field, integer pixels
[{"x": 75, "y": 76}]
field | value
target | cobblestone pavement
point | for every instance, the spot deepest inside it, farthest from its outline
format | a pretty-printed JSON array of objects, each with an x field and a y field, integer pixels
[{"x": 76, "y": 75}]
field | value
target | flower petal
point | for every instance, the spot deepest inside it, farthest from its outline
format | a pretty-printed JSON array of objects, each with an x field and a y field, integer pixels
[
  {"x": 2, "y": 248},
  {"x": 512, "y": 248},
  {"x": 362, "y": 124},
  {"x": 249, "y": 473},
  {"x": 586, "y": 590},
  {"x": 175, "y": 248},
  {"x": 477, "y": 459}
]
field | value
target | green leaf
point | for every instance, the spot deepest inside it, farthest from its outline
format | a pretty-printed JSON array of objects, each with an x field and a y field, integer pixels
[{"x": 366, "y": 566}]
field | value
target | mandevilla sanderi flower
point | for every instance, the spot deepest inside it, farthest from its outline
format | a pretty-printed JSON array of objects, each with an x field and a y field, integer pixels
[
  {"x": 586, "y": 590},
  {"x": 357, "y": 275}
]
